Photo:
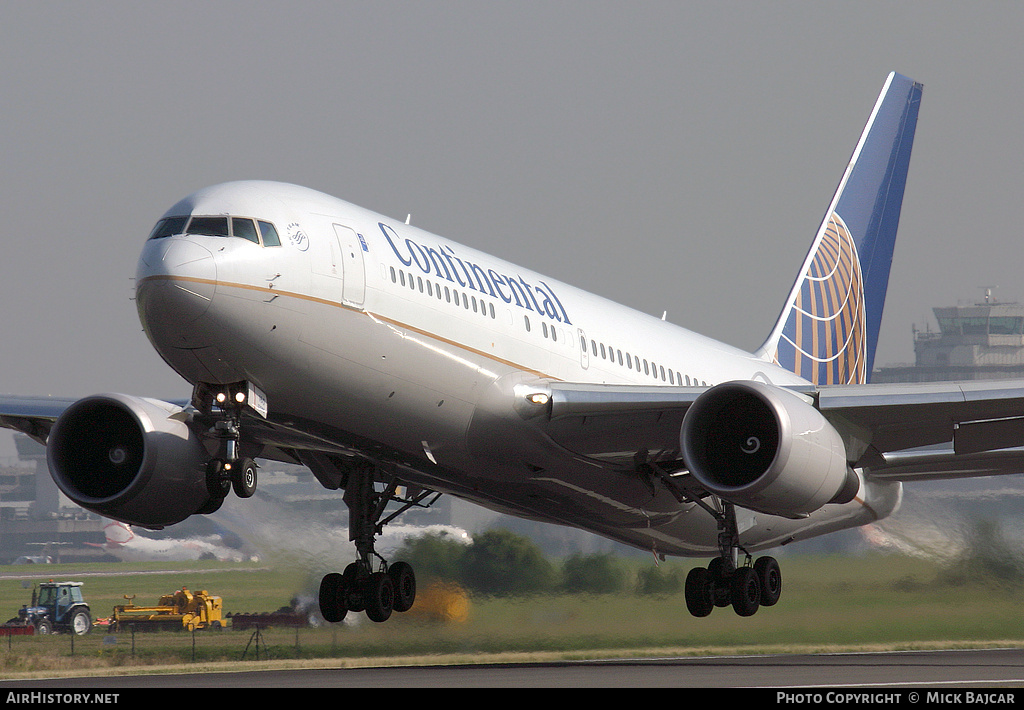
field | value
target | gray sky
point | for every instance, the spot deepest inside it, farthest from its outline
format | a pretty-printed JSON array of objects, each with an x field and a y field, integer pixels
[{"x": 670, "y": 155}]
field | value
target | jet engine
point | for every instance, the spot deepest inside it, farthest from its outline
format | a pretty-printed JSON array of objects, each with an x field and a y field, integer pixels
[
  {"x": 766, "y": 449},
  {"x": 130, "y": 459}
]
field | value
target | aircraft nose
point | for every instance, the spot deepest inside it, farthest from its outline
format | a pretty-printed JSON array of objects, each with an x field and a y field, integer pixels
[{"x": 175, "y": 283}]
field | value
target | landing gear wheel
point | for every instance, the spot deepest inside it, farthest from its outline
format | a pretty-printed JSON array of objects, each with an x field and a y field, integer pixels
[
  {"x": 699, "y": 592},
  {"x": 243, "y": 478},
  {"x": 218, "y": 485},
  {"x": 380, "y": 596},
  {"x": 404, "y": 581},
  {"x": 746, "y": 591},
  {"x": 720, "y": 588},
  {"x": 354, "y": 588},
  {"x": 770, "y": 576},
  {"x": 332, "y": 598}
]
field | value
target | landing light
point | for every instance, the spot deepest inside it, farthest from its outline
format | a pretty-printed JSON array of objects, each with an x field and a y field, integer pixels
[{"x": 538, "y": 398}]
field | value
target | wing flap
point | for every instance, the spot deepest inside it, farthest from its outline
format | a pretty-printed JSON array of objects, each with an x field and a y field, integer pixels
[
  {"x": 898, "y": 417},
  {"x": 937, "y": 463}
]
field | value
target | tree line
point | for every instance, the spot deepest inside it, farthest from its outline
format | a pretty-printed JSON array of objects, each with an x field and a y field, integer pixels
[{"x": 503, "y": 563}]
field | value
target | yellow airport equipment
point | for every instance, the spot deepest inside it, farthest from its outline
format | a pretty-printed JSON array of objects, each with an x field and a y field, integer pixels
[{"x": 182, "y": 610}]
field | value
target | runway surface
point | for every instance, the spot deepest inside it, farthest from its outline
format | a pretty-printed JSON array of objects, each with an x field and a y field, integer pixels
[{"x": 986, "y": 669}]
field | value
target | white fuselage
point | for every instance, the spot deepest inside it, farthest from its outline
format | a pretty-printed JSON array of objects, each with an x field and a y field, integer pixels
[{"x": 389, "y": 337}]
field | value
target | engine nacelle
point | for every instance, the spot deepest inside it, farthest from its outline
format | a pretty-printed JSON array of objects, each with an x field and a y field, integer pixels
[
  {"x": 129, "y": 459},
  {"x": 766, "y": 449}
]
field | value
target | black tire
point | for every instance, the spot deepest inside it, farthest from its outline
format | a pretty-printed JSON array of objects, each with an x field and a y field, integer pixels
[
  {"x": 404, "y": 581},
  {"x": 720, "y": 594},
  {"x": 699, "y": 592},
  {"x": 217, "y": 484},
  {"x": 243, "y": 478},
  {"x": 332, "y": 598},
  {"x": 80, "y": 622},
  {"x": 380, "y": 597},
  {"x": 354, "y": 588},
  {"x": 43, "y": 627},
  {"x": 746, "y": 591},
  {"x": 770, "y": 576}
]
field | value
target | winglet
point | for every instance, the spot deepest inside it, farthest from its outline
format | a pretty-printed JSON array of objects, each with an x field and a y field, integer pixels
[{"x": 828, "y": 329}]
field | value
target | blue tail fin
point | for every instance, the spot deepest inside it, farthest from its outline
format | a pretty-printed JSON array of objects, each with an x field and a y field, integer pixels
[{"x": 828, "y": 330}]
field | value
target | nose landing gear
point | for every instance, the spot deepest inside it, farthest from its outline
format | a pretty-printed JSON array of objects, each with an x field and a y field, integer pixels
[
  {"x": 239, "y": 475},
  {"x": 229, "y": 469}
]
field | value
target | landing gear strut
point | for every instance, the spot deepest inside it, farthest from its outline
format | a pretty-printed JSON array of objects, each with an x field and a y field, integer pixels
[
  {"x": 229, "y": 469},
  {"x": 724, "y": 581},
  {"x": 370, "y": 584}
]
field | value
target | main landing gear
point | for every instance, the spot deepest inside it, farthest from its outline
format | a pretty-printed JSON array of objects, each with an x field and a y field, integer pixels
[
  {"x": 746, "y": 588},
  {"x": 724, "y": 582},
  {"x": 370, "y": 583}
]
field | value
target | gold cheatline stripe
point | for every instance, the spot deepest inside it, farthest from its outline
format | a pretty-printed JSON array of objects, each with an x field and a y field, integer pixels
[{"x": 336, "y": 304}]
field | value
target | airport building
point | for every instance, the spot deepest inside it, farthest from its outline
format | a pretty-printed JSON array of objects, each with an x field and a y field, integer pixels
[
  {"x": 980, "y": 341},
  {"x": 37, "y": 522}
]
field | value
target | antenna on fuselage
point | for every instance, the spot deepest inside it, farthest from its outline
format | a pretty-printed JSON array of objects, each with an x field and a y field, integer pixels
[{"x": 408, "y": 218}]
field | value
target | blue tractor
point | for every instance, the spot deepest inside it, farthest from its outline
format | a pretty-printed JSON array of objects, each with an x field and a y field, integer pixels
[{"x": 57, "y": 607}]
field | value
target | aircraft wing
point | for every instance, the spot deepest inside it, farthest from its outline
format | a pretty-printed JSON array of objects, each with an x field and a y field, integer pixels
[
  {"x": 899, "y": 431},
  {"x": 612, "y": 423},
  {"x": 32, "y": 415},
  {"x": 895, "y": 431}
]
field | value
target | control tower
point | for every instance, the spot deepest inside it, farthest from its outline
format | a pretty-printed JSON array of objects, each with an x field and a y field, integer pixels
[{"x": 981, "y": 341}]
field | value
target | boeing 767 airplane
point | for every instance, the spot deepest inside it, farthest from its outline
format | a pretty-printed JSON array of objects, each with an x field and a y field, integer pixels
[{"x": 398, "y": 365}]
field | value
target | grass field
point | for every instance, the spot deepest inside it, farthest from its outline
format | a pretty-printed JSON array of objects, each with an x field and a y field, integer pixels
[{"x": 829, "y": 603}]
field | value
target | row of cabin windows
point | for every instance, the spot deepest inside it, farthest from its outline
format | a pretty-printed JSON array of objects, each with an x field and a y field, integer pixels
[
  {"x": 649, "y": 368},
  {"x": 255, "y": 231},
  {"x": 446, "y": 294},
  {"x": 454, "y": 296}
]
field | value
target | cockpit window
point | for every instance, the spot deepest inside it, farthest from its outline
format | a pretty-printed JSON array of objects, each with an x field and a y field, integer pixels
[
  {"x": 244, "y": 228},
  {"x": 270, "y": 238},
  {"x": 209, "y": 226},
  {"x": 219, "y": 226},
  {"x": 168, "y": 226}
]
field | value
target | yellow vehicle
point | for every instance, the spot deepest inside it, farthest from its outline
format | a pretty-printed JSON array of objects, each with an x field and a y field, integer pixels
[{"x": 182, "y": 610}]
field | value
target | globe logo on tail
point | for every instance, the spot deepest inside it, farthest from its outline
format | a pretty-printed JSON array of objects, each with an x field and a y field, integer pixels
[{"x": 824, "y": 339}]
